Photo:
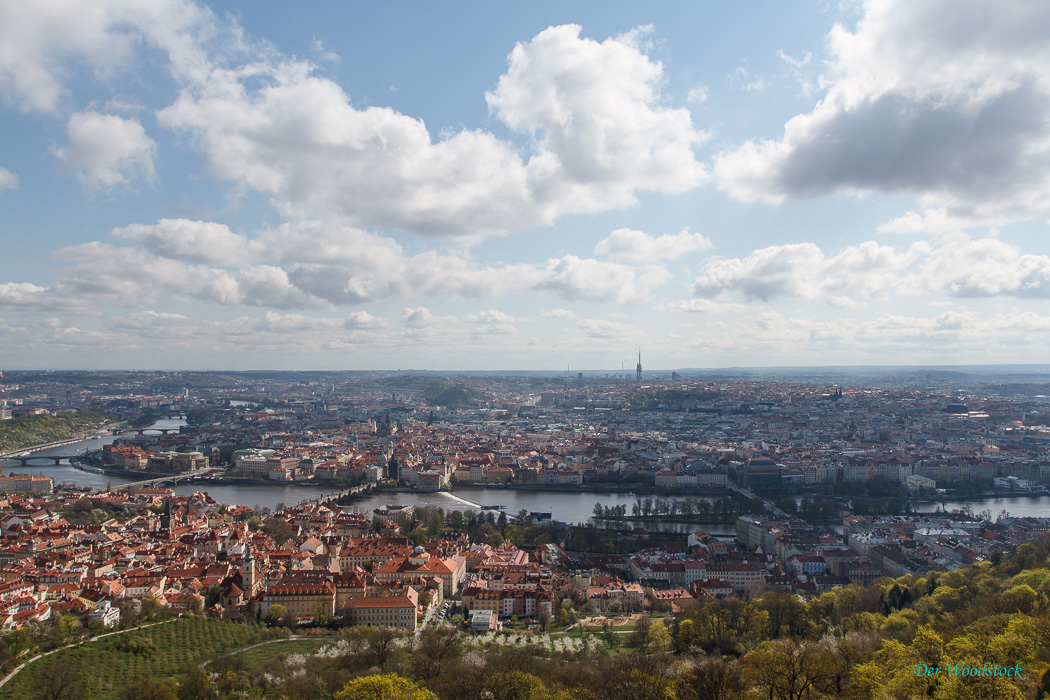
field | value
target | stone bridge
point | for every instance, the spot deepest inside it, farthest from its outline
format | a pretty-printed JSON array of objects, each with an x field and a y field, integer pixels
[{"x": 331, "y": 498}]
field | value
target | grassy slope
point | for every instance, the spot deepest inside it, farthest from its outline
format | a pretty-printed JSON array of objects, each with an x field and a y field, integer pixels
[{"x": 179, "y": 645}]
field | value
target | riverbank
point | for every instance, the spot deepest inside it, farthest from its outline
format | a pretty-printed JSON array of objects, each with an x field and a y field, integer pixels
[
  {"x": 591, "y": 489},
  {"x": 981, "y": 496},
  {"x": 65, "y": 442},
  {"x": 23, "y": 451},
  {"x": 689, "y": 519},
  {"x": 620, "y": 489}
]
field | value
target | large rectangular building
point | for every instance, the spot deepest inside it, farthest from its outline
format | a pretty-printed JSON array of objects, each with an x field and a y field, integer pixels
[
  {"x": 26, "y": 482},
  {"x": 381, "y": 611}
]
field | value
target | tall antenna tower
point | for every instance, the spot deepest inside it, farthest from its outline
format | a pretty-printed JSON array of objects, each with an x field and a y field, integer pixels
[{"x": 638, "y": 367}]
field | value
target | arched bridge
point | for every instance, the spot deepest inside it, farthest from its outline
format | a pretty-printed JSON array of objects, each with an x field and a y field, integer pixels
[
  {"x": 56, "y": 459},
  {"x": 164, "y": 481}
]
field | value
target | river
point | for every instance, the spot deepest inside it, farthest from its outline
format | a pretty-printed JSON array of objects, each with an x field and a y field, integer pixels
[
  {"x": 64, "y": 474},
  {"x": 1017, "y": 506},
  {"x": 563, "y": 506},
  {"x": 569, "y": 507}
]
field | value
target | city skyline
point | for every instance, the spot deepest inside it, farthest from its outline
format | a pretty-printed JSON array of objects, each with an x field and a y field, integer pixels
[{"x": 192, "y": 185}]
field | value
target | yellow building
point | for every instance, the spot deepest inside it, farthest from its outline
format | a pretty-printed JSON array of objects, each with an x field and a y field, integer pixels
[{"x": 300, "y": 599}]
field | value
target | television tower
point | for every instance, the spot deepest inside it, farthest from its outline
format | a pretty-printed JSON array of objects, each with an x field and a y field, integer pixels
[{"x": 638, "y": 367}]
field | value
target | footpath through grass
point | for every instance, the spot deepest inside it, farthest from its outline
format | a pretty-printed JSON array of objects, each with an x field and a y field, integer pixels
[{"x": 109, "y": 665}]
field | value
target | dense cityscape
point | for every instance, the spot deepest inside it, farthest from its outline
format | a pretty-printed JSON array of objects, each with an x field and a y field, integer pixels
[
  {"x": 813, "y": 487},
  {"x": 524, "y": 351}
]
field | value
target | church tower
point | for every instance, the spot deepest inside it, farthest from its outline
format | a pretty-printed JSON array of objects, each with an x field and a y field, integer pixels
[
  {"x": 248, "y": 572},
  {"x": 638, "y": 367}
]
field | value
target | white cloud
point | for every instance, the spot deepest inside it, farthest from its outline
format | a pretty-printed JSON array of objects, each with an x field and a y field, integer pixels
[
  {"x": 324, "y": 243},
  {"x": 784, "y": 270},
  {"x": 269, "y": 285},
  {"x": 593, "y": 108},
  {"x": 492, "y": 316},
  {"x": 362, "y": 320},
  {"x": 25, "y": 296},
  {"x": 801, "y": 69},
  {"x": 562, "y": 314},
  {"x": 106, "y": 150},
  {"x": 600, "y": 133},
  {"x": 195, "y": 241},
  {"x": 867, "y": 271},
  {"x": 1028, "y": 321},
  {"x": 492, "y": 321},
  {"x": 296, "y": 323},
  {"x": 149, "y": 325},
  {"x": 298, "y": 140},
  {"x": 605, "y": 330},
  {"x": 435, "y": 275},
  {"x": 638, "y": 246},
  {"x": 323, "y": 54},
  {"x": 321, "y": 266},
  {"x": 54, "y": 331},
  {"x": 136, "y": 276},
  {"x": 147, "y": 318},
  {"x": 427, "y": 275},
  {"x": 417, "y": 317},
  {"x": 954, "y": 112},
  {"x": 983, "y": 267},
  {"x": 795, "y": 62},
  {"x": 959, "y": 267},
  {"x": 181, "y": 259},
  {"x": 937, "y": 221},
  {"x": 697, "y": 94},
  {"x": 8, "y": 180},
  {"x": 705, "y": 306},
  {"x": 244, "y": 335},
  {"x": 742, "y": 79},
  {"x": 583, "y": 279},
  {"x": 44, "y": 44}
]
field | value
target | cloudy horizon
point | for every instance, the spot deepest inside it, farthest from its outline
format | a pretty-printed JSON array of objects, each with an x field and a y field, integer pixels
[{"x": 206, "y": 186}]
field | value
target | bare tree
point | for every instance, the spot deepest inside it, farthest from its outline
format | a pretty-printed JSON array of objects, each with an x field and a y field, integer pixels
[
  {"x": 543, "y": 617},
  {"x": 788, "y": 669},
  {"x": 710, "y": 679},
  {"x": 436, "y": 649},
  {"x": 381, "y": 641}
]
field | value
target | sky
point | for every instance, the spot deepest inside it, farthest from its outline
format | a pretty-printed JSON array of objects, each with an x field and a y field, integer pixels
[{"x": 545, "y": 186}]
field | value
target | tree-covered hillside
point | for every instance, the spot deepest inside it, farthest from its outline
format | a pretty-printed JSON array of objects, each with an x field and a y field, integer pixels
[
  {"x": 979, "y": 632},
  {"x": 36, "y": 430}
]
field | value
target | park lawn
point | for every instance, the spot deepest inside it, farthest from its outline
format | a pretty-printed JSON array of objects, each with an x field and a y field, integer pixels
[{"x": 109, "y": 665}]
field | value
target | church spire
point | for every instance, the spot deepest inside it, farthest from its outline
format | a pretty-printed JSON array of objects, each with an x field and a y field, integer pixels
[{"x": 638, "y": 367}]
